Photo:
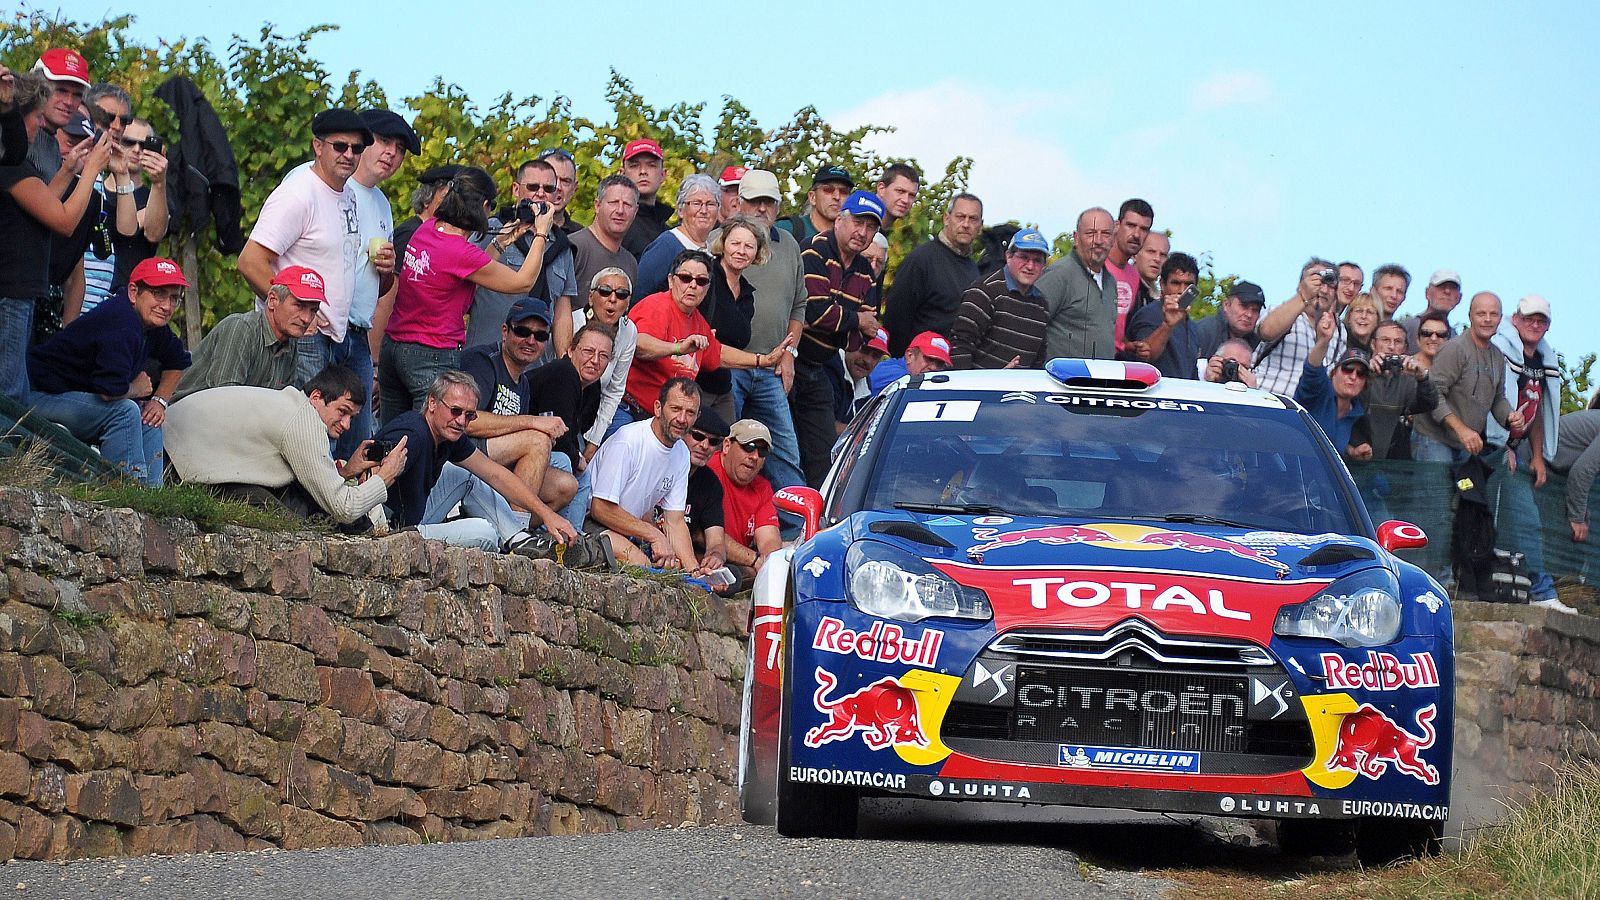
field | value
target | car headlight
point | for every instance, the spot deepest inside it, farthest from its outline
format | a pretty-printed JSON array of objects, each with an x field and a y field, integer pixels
[
  {"x": 1360, "y": 610},
  {"x": 888, "y": 582}
]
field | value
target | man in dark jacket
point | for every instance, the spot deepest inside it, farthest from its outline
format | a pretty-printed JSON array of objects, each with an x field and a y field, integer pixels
[
  {"x": 1081, "y": 295},
  {"x": 928, "y": 285},
  {"x": 1398, "y": 389},
  {"x": 569, "y": 389},
  {"x": 645, "y": 165},
  {"x": 91, "y": 379}
]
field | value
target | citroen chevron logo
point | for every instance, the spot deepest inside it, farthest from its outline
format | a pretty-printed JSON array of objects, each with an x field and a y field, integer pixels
[{"x": 1024, "y": 396}]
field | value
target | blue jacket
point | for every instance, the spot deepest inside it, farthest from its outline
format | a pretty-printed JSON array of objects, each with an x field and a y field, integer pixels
[
  {"x": 1510, "y": 343},
  {"x": 1316, "y": 394},
  {"x": 102, "y": 351},
  {"x": 884, "y": 373}
]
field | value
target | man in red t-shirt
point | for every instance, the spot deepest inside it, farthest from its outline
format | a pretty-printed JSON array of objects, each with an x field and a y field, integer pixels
[{"x": 749, "y": 519}]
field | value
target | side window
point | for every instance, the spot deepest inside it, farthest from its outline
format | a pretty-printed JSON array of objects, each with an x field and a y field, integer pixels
[{"x": 851, "y": 447}]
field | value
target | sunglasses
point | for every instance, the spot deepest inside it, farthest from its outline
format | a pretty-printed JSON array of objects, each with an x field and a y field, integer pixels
[
  {"x": 457, "y": 412},
  {"x": 755, "y": 447},
  {"x": 1432, "y": 334},
  {"x": 1355, "y": 369},
  {"x": 536, "y": 188},
  {"x": 622, "y": 293},
  {"x": 557, "y": 152},
  {"x": 105, "y": 118},
  {"x": 701, "y": 436},
  {"x": 343, "y": 147},
  {"x": 686, "y": 278},
  {"x": 523, "y": 331}
]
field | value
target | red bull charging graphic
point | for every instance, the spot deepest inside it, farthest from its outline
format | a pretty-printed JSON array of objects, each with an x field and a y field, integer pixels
[
  {"x": 1369, "y": 742},
  {"x": 884, "y": 711},
  {"x": 1122, "y": 537}
]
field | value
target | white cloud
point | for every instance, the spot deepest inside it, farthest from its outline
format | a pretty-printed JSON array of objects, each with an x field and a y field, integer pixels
[{"x": 1231, "y": 89}]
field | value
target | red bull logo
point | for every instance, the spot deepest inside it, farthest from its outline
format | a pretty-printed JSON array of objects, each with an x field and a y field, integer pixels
[
  {"x": 883, "y": 642},
  {"x": 1200, "y": 543},
  {"x": 1121, "y": 537},
  {"x": 1381, "y": 672},
  {"x": 885, "y": 711},
  {"x": 1369, "y": 742},
  {"x": 1044, "y": 534}
]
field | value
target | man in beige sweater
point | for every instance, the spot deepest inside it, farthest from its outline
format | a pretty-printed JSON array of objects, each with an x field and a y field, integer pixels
[{"x": 271, "y": 446}]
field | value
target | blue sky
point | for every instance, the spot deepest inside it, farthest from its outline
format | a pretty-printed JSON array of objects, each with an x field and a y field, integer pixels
[{"x": 1458, "y": 136}]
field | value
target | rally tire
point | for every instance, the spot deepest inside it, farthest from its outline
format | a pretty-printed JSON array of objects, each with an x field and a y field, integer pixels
[
  {"x": 758, "y": 778},
  {"x": 1381, "y": 841},
  {"x": 808, "y": 810},
  {"x": 1305, "y": 838}
]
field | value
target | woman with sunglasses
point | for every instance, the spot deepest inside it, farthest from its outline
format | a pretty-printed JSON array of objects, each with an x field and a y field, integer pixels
[
  {"x": 434, "y": 288},
  {"x": 699, "y": 202},
  {"x": 675, "y": 339},
  {"x": 141, "y": 213},
  {"x": 731, "y": 305},
  {"x": 1433, "y": 332},
  {"x": 609, "y": 293}
]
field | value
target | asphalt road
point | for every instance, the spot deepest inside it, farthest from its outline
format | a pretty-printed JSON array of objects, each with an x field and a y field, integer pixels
[{"x": 911, "y": 850}]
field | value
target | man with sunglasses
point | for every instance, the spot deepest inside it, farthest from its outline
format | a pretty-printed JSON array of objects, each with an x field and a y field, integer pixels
[
  {"x": 504, "y": 429},
  {"x": 535, "y": 183},
  {"x": 1333, "y": 398},
  {"x": 561, "y": 162},
  {"x": 749, "y": 519},
  {"x": 445, "y": 468},
  {"x": 703, "y": 510},
  {"x": 91, "y": 379},
  {"x": 313, "y": 219}
]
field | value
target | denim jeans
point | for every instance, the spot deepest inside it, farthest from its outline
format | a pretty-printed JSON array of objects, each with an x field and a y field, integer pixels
[
  {"x": 758, "y": 394},
  {"x": 1426, "y": 449},
  {"x": 811, "y": 403},
  {"x": 492, "y": 520},
  {"x": 406, "y": 371},
  {"x": 114, "y": 425},
  {"x": 318, "y": 351},
  {"x": 578, "y": 508},
  {"x": 16, "y": 329},
  {"x": 1516, "y": 516}
]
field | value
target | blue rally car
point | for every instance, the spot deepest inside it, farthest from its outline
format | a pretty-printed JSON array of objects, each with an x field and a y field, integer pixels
[{"x": 1087, "y": 586}]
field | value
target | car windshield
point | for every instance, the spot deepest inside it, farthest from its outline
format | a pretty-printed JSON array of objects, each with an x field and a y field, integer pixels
[{"x": 983, "y": 452}]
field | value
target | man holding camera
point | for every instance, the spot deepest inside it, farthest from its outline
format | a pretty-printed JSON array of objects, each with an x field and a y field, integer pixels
[
  {"x": 1291, "y": 328},
  {"x": 273, "y": 449},
  {"x": 1398, "y": 389},
  {"x": 1231, "y": 362}
]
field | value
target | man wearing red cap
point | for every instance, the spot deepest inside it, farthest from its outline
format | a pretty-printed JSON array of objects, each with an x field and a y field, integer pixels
[
  {"x": 927, "y": 352},
  {"x": 90, "y": 378},
  {"x": 259, "y": 348},
  {"x": 68, "y": 74},
  {"x": 731, "y": 176},
  {"x": 645, "y": 165}
]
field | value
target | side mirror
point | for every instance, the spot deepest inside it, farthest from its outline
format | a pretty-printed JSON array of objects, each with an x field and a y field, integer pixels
[
  {"x": 1396, "y": 535},
  {"x": 803, "y": 502}
]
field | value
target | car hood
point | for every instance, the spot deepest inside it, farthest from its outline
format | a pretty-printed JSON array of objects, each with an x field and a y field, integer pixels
[{"x": 1187, "y": 577}]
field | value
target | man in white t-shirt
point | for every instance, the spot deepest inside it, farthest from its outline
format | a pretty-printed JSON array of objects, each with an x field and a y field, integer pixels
[
  {"x": 313, "y": 219},
  {"x": 392, "y": 139},
  {"x": 644, "y": 466}
]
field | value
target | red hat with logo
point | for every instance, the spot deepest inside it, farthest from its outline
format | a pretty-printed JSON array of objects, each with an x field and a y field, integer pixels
[
  {"x": 60, "y": 64},
  {"x": 732, "y": 175},
  {"x": 303, "y": 283},
  {"x": 643, "y": 145},
  {"x": 933, "y": 345},
  {"x": 157, "y": 272},
  {"x": 879, "y": 342}
]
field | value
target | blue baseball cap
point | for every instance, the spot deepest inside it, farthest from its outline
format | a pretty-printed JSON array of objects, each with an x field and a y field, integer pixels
[
  {"x": 527, "y": 308},
  {"x": 863, "y": 203},
  {"x": 1030, "y": 239}
]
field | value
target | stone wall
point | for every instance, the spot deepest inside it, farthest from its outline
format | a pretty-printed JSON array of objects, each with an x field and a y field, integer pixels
[
  {"x": 1527, "y": 701},
  {"x": 164, "y": 690}
]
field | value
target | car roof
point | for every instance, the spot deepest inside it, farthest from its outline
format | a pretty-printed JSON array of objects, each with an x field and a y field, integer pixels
[{"x": 1038, "y": 381}]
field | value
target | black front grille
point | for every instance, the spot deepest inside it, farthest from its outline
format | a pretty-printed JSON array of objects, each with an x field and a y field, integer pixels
[{"x": 1155, "y": 709}]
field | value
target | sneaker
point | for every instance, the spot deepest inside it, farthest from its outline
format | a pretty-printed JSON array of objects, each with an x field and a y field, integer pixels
[
  {"x": 591, "y": 551},
  {"x": 538, "y": 545},
  {"x": 1555, "y": 604}
]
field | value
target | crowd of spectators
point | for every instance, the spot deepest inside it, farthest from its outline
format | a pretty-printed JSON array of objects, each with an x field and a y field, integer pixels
[{"x": 493, "y": 372}]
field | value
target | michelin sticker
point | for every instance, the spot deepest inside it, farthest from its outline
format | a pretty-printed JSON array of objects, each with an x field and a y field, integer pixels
[{"x": 1128, "y": 760}]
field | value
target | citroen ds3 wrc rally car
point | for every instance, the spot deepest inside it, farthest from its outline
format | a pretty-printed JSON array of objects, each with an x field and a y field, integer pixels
[{"x": 1084, "y": 585}]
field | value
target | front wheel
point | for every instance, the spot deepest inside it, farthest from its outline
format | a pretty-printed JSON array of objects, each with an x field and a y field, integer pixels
[
  {"x": 805, "y": 809},
  {"x": 758, "y": 770}
]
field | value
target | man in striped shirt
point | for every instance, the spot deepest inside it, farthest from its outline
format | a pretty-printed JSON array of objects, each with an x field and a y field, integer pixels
[
  {"x": 1002, "y": 318},
  {"x": 837, "y": 279}
]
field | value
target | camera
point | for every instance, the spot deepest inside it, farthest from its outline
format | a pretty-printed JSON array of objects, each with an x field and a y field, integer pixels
[
  {"x": 1330, "y": 277},
  {"x": 1392, "y": 363},
  {"x": 377, "y": 450},
  {"x": 1230, "y": 371},
  {"x": 527, "y": 210}
]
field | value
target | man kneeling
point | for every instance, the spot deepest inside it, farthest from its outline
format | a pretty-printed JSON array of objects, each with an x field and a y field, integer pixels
[{"x": 265, "y": 446}]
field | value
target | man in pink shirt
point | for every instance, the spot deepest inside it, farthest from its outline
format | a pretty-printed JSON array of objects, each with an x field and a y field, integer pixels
[{"x": 1134, "y": 219}]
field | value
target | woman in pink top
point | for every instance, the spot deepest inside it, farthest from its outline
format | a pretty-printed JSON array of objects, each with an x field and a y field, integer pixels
[{"x": 434, "y": 288}]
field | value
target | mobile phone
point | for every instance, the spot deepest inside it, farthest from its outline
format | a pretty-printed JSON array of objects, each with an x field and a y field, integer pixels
[
  {"x": 1187, "y": 298},
  {"x": 377, "y": 450}
]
